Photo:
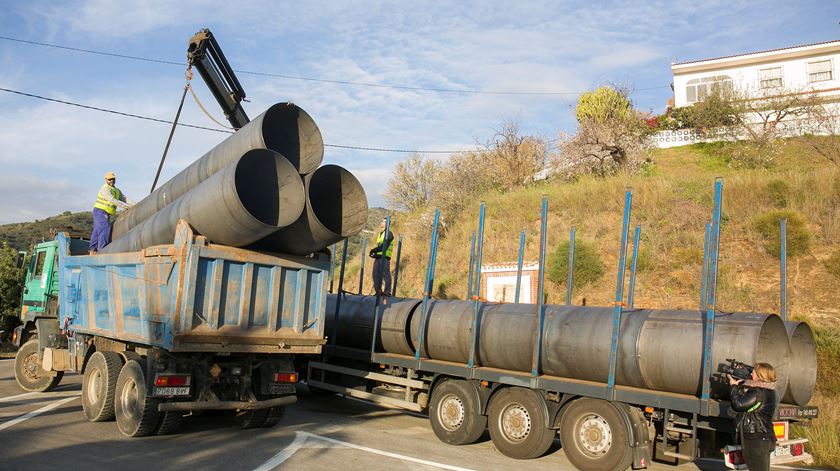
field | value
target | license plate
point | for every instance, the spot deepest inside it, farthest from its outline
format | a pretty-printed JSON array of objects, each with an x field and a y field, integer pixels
[
  {"x": 281, "y": 388},
  {"x": 782, "y": 451},
  {"x": 172, "y": 391}
]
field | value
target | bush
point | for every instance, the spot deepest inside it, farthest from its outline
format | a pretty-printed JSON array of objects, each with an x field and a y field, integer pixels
[
  {"x": 646, "y": 261},
  {"x": 833, "y": 264},
  {"x": 588, "y": 266},
  {"x": 777, "y": 193},
  {"x": 798, "y": 236}
]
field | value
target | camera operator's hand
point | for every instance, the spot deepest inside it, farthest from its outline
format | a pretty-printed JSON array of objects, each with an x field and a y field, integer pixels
[{"x": 733, "y": 381}]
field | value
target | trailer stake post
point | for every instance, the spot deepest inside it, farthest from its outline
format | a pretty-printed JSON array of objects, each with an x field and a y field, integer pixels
[
  {"x": 519, "y": 266},
  {"x": 783, "y": 269},
  {"x": 479, "y": 247},
  {"x": 711, "y": 297},
  {"x": 619, "y": 293},
  {"x": 540, "y": 314},
  {"x": 631, "y": 290},
  {"x": 427, "y": 287},
  {"x": 340, "y": 293},
  {"x": 570, "y": 277}
]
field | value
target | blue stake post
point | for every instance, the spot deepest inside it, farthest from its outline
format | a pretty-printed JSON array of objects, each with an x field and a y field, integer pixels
[
  {"x": 362, "y": 269},
  {"x": 711, "y": 295},
  {"x": 479, "y": 248},
  {"x": 519, "y": 265},
  {"x": 472, "y": 263},
  {"x": 397, "y": 267},
  {"x": 783, "y": 269},
  {"x": 570, "y": 277},
  {"x": 332, "y": 266},
  {"x": 704, "y": 281},
  {"x": 340, "y": 293},
  {"x": 427, "y": 287},
  {"x": 377, "y": 310},
  {"x": 619, "y": 293},
  {"x": 540, "y": 318},
  {"x": 632, "y": 288}
]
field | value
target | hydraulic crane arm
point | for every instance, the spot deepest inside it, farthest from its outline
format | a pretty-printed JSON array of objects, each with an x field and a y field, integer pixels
[{"x": 205, "y": 55}]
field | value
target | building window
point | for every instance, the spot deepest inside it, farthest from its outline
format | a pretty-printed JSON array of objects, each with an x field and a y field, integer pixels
[
  {"x": 820, "y": 71},
  {"x": 698, "y": 89},
  {"x": 770, "y": 77}
]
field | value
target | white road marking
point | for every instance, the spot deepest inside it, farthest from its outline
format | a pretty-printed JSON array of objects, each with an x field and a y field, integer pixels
[
  {"x": 47, "y": 395},
  {"x": 385, "y": 453},
  {"x": 19, "y": 396},
  {"x": 284, "y": 454},
  {"x": 38, "y": 412}
]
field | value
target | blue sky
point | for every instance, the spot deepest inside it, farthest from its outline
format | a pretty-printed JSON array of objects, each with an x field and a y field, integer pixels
[{"x": 53, "y": 156}]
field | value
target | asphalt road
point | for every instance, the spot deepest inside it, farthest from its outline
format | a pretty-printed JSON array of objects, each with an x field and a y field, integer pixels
[{"x": 48, "y": 431}]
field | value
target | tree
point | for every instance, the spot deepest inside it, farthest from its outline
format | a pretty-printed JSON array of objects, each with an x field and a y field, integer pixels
[
  {"x": 605, "y": 105},
  {"x": 11, "y": 281},
  {"x": 411, "y": 186},
  {"x": 516, "y": 157}
]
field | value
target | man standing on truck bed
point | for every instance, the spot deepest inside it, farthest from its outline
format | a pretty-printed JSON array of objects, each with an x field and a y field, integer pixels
[
  {"x": 104, "y": 210},
  {"x": 382, "y": 265}
]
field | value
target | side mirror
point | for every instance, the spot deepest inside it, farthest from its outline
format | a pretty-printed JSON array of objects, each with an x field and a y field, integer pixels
[{"x": 21, "y": 259}]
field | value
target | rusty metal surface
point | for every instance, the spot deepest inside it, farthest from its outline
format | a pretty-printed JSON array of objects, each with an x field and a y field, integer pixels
[
  {"x": 227, "y": 299},
  {"x": 243, "y": 202},
  {"x": 284, "y": 128}
]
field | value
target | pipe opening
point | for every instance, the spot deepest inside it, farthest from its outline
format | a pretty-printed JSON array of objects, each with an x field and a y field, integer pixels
[
  {"x": 773, "y": 347},
  {"x": 803, "y": 371},
  {"x": 337, "y": 200},
  {"x": 269, "y": 187},
  {"x": 289, "y": 130}
]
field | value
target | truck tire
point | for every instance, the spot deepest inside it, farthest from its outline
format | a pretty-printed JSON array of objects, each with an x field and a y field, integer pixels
[
  {"x": 274, "y": 416},
  {"x": 455, "y": 414},
  {"x": 28, "y": 372},
  {"x": 99, "y": 384},
  {"x": 594, "y": 436},
  {"x": 170, "y": 421},
  {"x": 137, "y": 414},
  {"x": 250, "y": 418},
  {"x": 517, "y": 423}
]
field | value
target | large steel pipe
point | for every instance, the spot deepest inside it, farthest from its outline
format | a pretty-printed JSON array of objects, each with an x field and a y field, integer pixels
[
  {"x": 251, "y": 197},
  {"x": 355, "y": 322},
  {"x": 283, "y": 128},
  {"x": 803, "y": 364},
  {"x": 336, "y": 208}
]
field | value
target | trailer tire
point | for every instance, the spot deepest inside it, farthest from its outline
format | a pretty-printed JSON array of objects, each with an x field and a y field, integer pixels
[
  {"x": 517, "y": 423},
  {"x": 594, "y": 436},
  {"x": 455, "y": 413},
  {"x": 136, "y": 412},
  {"x": 274, "y": 415},
  {"x": 99, "y": 384},
  {"x": 250, "y": 418},
  {"x": 28, "y": 372},
  {"x": 170, "y": 421}
]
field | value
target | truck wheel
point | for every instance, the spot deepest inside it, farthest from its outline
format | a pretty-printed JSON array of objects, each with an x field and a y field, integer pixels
[
  {"x": 517, "y": 424},
  {"x": 594, "y": 437},
  {"x": 99, "y": 385},
  {"x": 250, "y": 418},
  {"x": 137, "y": 414},
  {"x": 455, "y": 413},
  {"x": 169, "y": 422},
  {"x": 274, "y": 416},
  {"x": 28, "y": 372}
]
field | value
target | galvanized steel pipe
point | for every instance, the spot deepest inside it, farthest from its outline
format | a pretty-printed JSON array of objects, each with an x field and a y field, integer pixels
[
  {"x": 248, "y": 199},
  {"x": 283, "y": 128},
  {"x": 803, "y": 373},
  {"x": 336, "y": 208}
]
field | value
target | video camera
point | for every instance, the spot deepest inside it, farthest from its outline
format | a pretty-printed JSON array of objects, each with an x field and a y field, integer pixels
[{"x": 736, "y": 369}]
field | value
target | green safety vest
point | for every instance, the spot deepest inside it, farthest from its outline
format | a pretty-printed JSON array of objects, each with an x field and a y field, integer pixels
[
  {"x": 106, "y": 205},
  {"x": 379, "y": 241}
]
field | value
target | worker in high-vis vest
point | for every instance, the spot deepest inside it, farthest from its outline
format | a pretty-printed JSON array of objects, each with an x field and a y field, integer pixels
[
  {"x": 105, "y": 211},
  {"x": 382, "y": 265}
]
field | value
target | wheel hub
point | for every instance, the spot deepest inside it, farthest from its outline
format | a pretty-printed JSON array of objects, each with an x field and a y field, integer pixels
[
  {"x": 31, "y": 365},
  {"x": 595, "y": 435},
  {"x": 451, "y": 413},
  {"x": 129, "y": 399},
  {"x": 515, "y": 422},
  {"x": 94, "y": 386}
]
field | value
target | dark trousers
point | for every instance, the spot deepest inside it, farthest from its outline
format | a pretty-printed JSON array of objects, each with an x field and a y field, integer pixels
[
  {"x": 101, "y": 234},
  {"x": 382, "y": 272},
  {"x": 756, "y": 450}
]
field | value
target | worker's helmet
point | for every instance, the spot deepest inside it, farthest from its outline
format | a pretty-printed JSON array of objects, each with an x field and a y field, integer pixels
[{"x": 110, "y": 175}]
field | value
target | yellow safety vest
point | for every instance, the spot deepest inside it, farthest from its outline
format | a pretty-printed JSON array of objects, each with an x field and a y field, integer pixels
[
  {"x": 106, "y": 205},
  {"x": 379, "y": 241}
]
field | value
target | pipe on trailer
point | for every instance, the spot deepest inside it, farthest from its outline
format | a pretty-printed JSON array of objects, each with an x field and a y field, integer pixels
[
  {"x": 803, "y": 370},
  {"x": 283, "y": 128},
  {"x": 250, "y": 198},
  {"x": 336, "y": 208}
]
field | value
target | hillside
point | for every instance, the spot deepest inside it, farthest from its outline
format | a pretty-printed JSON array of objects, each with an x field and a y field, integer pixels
[{"x": 22, "y": 235}]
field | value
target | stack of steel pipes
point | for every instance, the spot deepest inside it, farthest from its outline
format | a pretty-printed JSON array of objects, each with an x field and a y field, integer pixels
[
  {"x": 658, "y": 349},
  {"x": 261, "y": 189}
]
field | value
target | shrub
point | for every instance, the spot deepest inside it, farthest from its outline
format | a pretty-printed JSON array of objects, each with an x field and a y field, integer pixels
[
  {"x": 833, "y": 264},
  {"x": 588, "y": 266},
  {"x": 777, "y": 193},
  {"x": 798, "y": 236},
  {"x": 646, "y": 261}
]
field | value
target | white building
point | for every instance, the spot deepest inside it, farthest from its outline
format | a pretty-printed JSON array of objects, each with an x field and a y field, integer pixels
[{"x": 811, "y": 68}]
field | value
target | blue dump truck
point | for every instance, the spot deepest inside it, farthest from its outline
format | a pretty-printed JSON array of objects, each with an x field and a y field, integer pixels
[{"x": 170, "y": 329}]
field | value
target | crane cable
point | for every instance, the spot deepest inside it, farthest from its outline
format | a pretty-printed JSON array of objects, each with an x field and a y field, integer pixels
[
  {"x": 188, "y": 75},
  {"x": 205, "y": 110}
]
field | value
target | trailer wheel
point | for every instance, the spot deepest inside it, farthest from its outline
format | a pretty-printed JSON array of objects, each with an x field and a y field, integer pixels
[
  {"x": 594, "y": 437},
  {"x": 250, "y": 418},
  {"x": 454, "y": 413},
  {"x": 517, "y": 424},
  {"x": 28, "y": 372},
  {"x": 169, "y": 422},
  {"x": 99, "y": 385},
  {"x": 136, "y": 412},
  {"x": 274, "y": 415}
]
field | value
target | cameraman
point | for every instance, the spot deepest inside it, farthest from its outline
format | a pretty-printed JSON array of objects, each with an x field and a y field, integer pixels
[{"x": 755, "y": 402}]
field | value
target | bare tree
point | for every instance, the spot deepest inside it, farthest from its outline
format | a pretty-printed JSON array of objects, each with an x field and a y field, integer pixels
[
  {"x": 518, "y": 158},
  {"x": 412, "y": 184}
]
